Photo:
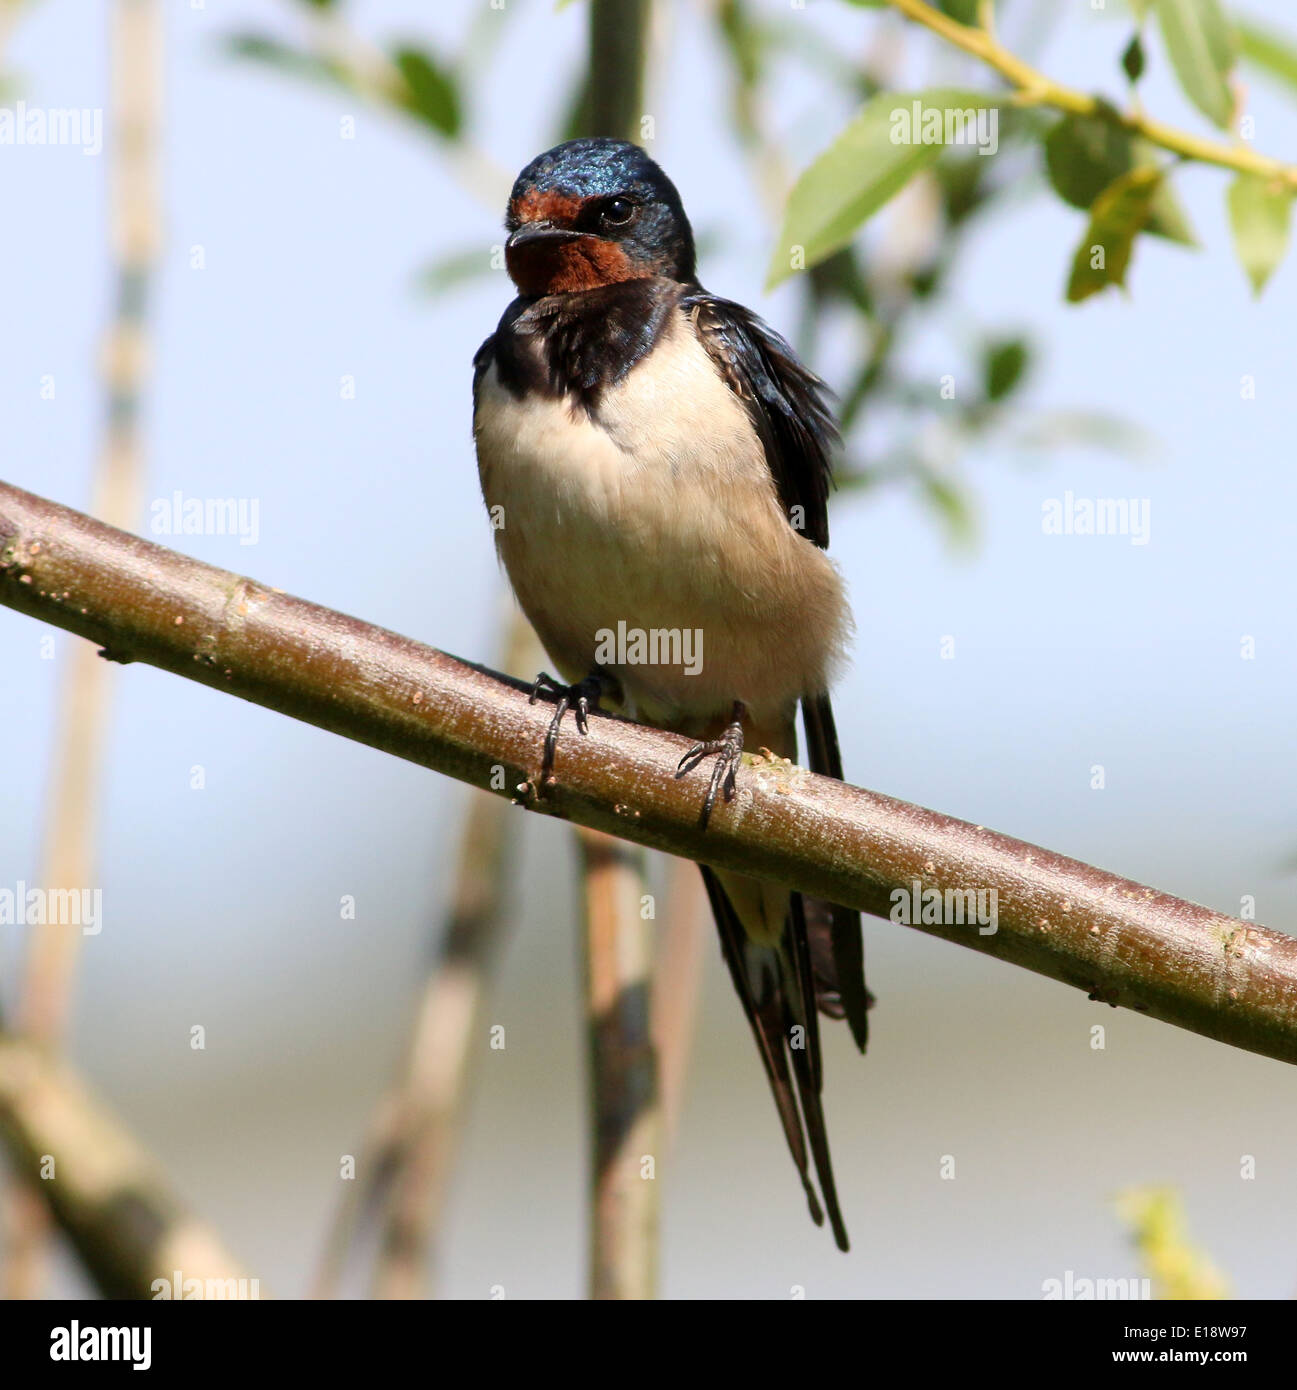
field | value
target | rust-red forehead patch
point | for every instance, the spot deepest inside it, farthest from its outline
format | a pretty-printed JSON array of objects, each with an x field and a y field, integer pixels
[{"x": 547, "y": 205}]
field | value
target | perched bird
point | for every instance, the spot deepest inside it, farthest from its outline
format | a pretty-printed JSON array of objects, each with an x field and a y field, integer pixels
[{"x": 657, "y": 457}]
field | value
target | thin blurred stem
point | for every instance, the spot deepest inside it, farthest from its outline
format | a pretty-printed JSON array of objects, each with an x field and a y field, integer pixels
[
  {"x": 623, "y": 1071},
  {"x": 769, "y": 164},
  {"x": 69, "y": 850},
  {"x": 49, "y": 982},
  {"x": 10, "y": 13},
  {"x": 451, "y": 1022},
  {"x": 618, "y": 40},
  {"x": 414, "y": 1133}
]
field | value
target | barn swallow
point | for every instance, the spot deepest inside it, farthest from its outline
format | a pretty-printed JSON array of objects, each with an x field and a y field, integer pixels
[{"x": 656, "y": 457}]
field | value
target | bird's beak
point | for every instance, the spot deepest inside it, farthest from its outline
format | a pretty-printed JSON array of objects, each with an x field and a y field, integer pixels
[{"x": 539, "y": 232}]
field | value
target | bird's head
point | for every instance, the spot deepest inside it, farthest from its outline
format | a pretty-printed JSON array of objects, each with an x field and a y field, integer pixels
[{"x": 595, "y": 212}]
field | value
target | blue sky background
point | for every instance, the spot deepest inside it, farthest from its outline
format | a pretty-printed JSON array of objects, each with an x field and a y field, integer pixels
[{"x": 221, "y": 905}]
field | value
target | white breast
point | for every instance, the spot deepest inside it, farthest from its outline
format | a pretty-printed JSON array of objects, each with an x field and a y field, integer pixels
[{"x": 661, "y": 515}]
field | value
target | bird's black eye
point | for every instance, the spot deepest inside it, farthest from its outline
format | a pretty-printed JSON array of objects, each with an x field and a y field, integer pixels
[{"x": 617, "y": 212}]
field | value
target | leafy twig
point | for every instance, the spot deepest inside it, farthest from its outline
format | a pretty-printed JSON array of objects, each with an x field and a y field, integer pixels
[{"x": 1034, "y": 88}]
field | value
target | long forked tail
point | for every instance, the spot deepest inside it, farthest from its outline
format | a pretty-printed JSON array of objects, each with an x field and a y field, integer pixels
[
  {"x": 777, "y": 986},
  {"x": 832, "y": 926}
]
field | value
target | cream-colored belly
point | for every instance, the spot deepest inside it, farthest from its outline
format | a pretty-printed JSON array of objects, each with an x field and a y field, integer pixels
[{"x": 660, "y": 519}]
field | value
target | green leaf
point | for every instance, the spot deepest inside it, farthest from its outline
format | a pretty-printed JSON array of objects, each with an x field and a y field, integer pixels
[
  {"x": 286, "y": 59},
  {"x": 1273, "y": 53},
  {"x": 430, "y": 91},
  {"x": 1119, "y": 214},
  {"x": 1132, "y": 58},
  {"x": 863, "y": 168},
  {"x": 1260, "y": 216},
  {"x": 964, "y": 11},
  {"x": 1054, "y": 430},
  {"x": 839, "y": 277},
  {"x": 951, "y": 506},
  {"x": 1201, "y": 48},
  {"x": 453, "y": 270},
  {"x": 1003, "y": 366},
  {"x": 1086, "y": 154},
  {"x": 745, "y": 41},
  {"x": 1166, "y": 218}
]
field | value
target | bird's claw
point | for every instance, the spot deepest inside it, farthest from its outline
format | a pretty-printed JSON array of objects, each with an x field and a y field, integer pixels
[
  {"x": 728, "y": 750},
  {"x": 581, "y": 698}
]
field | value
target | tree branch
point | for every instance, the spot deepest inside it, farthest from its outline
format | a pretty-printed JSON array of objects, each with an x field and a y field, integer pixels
[
  {"x": 1122, "y": 943},
  {"x": 107, "y": 1194}
]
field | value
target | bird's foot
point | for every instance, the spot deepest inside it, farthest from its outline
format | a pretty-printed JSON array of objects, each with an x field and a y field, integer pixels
[
  {"x": 582, "y": 697},
  {"x": 728, "y": 750}
]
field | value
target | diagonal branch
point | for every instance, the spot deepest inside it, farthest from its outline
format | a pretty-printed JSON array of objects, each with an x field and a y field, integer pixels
[
  {"x": 1121, "y": 942},
  {"x": 111, "y": 1199}
]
